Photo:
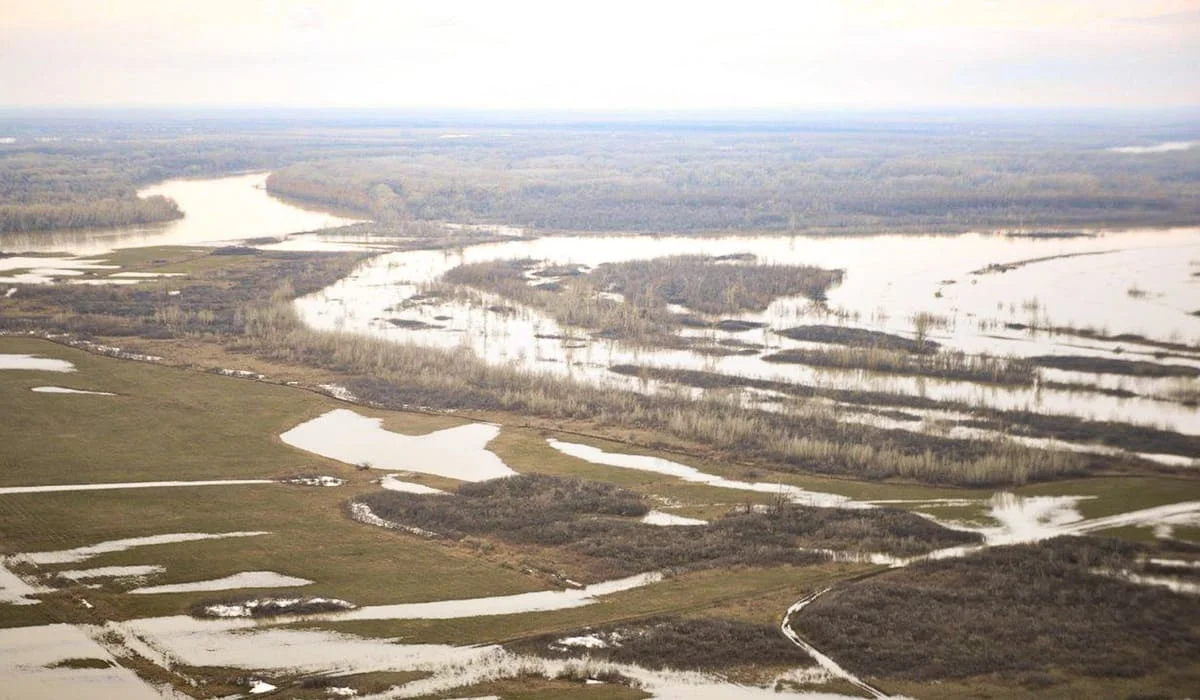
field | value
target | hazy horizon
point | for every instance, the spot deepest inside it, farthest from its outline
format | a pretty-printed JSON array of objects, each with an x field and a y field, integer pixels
[{"x": 531, "y": 56}]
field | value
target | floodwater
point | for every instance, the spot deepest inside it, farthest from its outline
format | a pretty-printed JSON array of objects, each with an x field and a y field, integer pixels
[
  {"x": 458, "y": 453},
  {"x": 27, "y": 655},
  {"x": 1137, "y": 282},
  {"x": 216, "y": 210},
  {"x": 658, "y": 465}
]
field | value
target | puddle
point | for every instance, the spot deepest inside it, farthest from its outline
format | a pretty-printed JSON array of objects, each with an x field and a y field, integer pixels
[
  {"x": 658, "y": 517},
  {"x": 51, "y": 488},
  {"x": 32, "y": 362},
  {"x": 458, "y": 453},
  {"x": 67, "y": 390},
  {"x": 44, "y": 270},
  {"x": 70, "y": 556},
  {"x": 245, "y": 579},
  {"x": 681, "y": 471}
]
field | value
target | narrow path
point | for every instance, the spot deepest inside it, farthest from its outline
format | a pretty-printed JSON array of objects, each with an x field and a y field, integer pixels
[
  {"x": 7, "y": 490},
  {"x": 822, "y": 660}
]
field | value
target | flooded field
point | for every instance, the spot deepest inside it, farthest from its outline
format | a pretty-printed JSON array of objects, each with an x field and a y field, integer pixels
[{"x": 1126, "y": 296}]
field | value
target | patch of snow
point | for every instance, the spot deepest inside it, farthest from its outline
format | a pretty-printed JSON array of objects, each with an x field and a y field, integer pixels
[
  {"x": 34, "y": 363},
  {"x": 340, "y": 393},
  {"x": 315, "y": 481},
  {"x": 258, "y": 687},
  {"x": 11, "y": 291},
  {"x": 361, "y": 512},
  {"x": 241, "y": 373},
  {"x": 589, "y": 641},
  {"x": 340, "y": 691},
  {"x": 344, "y": 435},
  {"x": 391, "y": 483},
  {"x": 244, "y": 579},
  {"x": 69, "y": 556},
  {"x": 273, "y": 606},
  {"x": 67, "y": 390},
  {"x": 658, "y": 517}
]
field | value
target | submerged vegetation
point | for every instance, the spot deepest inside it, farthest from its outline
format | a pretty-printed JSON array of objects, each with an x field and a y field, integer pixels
[{"x": 632, "y": 299}]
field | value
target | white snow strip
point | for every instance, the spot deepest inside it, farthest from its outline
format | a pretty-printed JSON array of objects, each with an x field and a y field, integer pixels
[
  {"x": 68, "y": 556},
  {"x": 344, "y": 435},
  {"x": 244, "y": 579},
  {"x": 51, "y": 488},
  {"x": 67, "y": 390},
  {"x": 260, "y": 687},
  {"x": 658, "y": 517},
  {"x": 32, "y": 362},
  {"x": 112, "y": 572}
]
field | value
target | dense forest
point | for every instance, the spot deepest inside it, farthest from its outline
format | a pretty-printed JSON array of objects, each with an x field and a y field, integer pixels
[
  {"x": 857, "y": 174},
  {"x": 696, "y": 180}
]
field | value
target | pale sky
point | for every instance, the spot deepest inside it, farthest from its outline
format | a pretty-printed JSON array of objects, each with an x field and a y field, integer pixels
[{"x": 612, "y": 55}]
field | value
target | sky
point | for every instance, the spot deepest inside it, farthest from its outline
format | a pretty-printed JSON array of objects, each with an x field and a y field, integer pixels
[{"x": 614, "y": 55}]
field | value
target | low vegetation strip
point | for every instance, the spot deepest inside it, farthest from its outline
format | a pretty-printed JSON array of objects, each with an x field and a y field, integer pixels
[
  {"x": 1105, "y": 365},
  {"x": 859, "y": 337},
  {"x": 1124, "y": 436},
  {"x": 1027, "y": 608},
  {"x": 943, "y": 365},
  {"x": 599, "y": 522},
  {"x": 701, "y": 644}
]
